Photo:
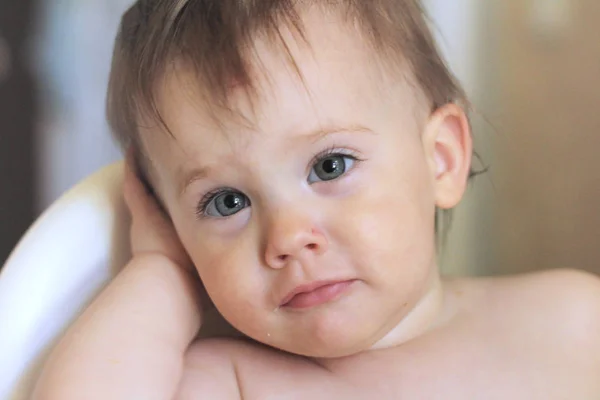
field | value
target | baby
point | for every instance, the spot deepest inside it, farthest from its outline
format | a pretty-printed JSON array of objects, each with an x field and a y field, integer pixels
[{"x": 295, "y": 155}]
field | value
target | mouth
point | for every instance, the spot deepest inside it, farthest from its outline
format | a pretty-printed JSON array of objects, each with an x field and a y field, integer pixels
[{"x": 315, "y": 294}]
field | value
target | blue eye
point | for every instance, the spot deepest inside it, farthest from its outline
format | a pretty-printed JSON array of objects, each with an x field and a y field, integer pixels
[
  {"x": 225, "y": 204},
  {"x": 330, "y": 167}
]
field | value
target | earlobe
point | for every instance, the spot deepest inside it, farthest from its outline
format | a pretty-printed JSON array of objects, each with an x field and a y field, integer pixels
[{"x": 448, "y": 146}]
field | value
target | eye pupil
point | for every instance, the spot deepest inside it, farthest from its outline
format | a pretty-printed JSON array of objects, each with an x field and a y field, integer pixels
[
  {"x": 232, "y": 201},
  {"x": 331, "y": 165}
]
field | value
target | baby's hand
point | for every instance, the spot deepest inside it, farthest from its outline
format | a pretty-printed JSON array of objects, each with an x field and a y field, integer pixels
[
  {"x": 131, "y": 342},
  {"x": 151, "y": 230}
]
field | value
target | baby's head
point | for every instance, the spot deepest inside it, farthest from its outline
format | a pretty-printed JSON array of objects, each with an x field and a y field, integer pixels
[{"x": 297, "y": 145}]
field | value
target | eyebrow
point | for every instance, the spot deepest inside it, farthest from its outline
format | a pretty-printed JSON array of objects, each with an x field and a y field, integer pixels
[
  {"x": 323, "y": 132},
  {"x": 196, "y": 174},
  {"x": 191, "y": 176}
]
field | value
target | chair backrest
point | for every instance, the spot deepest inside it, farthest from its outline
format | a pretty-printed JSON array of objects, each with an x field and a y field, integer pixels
[{"x": 68, "y": 255}]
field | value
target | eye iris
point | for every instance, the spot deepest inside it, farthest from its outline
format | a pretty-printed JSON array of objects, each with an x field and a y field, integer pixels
[
  {"x": 230, "y": 203},
  {"x": 331, "y": 168}
]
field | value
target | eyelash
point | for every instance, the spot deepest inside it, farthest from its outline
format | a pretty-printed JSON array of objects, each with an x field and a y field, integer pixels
[
  {"x": 331, "y": 151},
  {"x": 208, "y": 197}
]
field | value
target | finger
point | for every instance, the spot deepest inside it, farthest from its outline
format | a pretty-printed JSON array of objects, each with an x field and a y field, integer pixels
[
  {"x": 152, "y": 231},
  {"x": 137, "y": 198}
]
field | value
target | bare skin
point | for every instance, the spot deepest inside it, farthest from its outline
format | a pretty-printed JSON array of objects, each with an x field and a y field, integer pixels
[
  {"x": 490, "y": 347},
  {"x": 526, "y": 337},
  {"x": 399, "y": 330}
]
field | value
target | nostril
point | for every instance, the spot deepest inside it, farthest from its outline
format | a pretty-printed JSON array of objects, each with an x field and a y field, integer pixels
[
  {"x": 311, "y": 246},
  {"x": 283, "y": 257}
]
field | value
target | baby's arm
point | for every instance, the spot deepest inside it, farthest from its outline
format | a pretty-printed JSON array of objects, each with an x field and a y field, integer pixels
[{"x": 131, "y": 343}]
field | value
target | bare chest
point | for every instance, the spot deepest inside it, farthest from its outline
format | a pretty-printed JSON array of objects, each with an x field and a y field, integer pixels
[
  {"x": 470, "y": 367},
  {"x": 475, "y": 369}
]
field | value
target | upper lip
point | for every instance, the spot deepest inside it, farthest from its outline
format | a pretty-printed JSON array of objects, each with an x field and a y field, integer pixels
[{"x": 309, "y": 287}]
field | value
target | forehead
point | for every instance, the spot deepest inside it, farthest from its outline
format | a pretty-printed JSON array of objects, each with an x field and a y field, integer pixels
[{"x": 331, "y": 77}]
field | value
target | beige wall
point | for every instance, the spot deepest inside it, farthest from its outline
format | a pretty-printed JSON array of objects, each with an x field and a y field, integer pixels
[
  {"x": 546, "y": 169},
  {"x": 458, "y": 26}
]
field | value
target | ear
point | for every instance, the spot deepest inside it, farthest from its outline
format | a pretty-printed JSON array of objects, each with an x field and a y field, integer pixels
[{"x": 448, "y": 147}]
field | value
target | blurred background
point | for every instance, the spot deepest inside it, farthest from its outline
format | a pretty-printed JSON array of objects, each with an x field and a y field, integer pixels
[{"x": 531, "y": 67}]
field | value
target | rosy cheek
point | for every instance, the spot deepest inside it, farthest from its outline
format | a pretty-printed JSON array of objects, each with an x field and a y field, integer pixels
[
  {"x": 231, "y": 284},
  {"x": 222, "y": 264},
  {"x": 217, "y": 277},
  {"x": 376, "y": 222},
  {"x": 212, "y": 261}
]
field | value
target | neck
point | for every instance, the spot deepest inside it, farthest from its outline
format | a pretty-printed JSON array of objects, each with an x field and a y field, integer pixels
[
  {"x": 423, "y": 317},
  {"x": 427, "y": 314}
]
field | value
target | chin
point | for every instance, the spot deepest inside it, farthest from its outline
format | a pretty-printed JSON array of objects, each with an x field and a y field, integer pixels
[
  {"x": 339, "y": 341},
  {"x": 330, "y": 350}
]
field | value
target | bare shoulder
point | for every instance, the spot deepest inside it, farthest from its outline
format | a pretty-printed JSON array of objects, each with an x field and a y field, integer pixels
[
  {"x": 577, "y": 289},
  {"x": 228, "y": 368},
  {"x": 563, "y": 294},
  {"x": 564, "y": 301},
  {"x": 555, "y": 318}
]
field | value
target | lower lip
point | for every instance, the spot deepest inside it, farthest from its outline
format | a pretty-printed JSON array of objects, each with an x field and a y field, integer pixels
[{"x": 321, "y": 295}]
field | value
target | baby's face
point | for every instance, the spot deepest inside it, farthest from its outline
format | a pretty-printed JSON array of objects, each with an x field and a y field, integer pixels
[{"x": 333, "y": 191}]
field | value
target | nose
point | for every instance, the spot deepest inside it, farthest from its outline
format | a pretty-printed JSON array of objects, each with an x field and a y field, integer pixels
[{"x": 292, "y": 237}]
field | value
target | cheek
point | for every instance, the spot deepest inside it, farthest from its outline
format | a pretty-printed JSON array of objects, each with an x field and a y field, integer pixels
[
  {"x": 231, "y": 275},
  {"x": 389, "y": 228},
  {"x": 221, "y": 270}
]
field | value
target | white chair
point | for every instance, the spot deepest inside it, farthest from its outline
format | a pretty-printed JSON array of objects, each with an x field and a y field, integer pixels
[{"x": 64, "y": 260}]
